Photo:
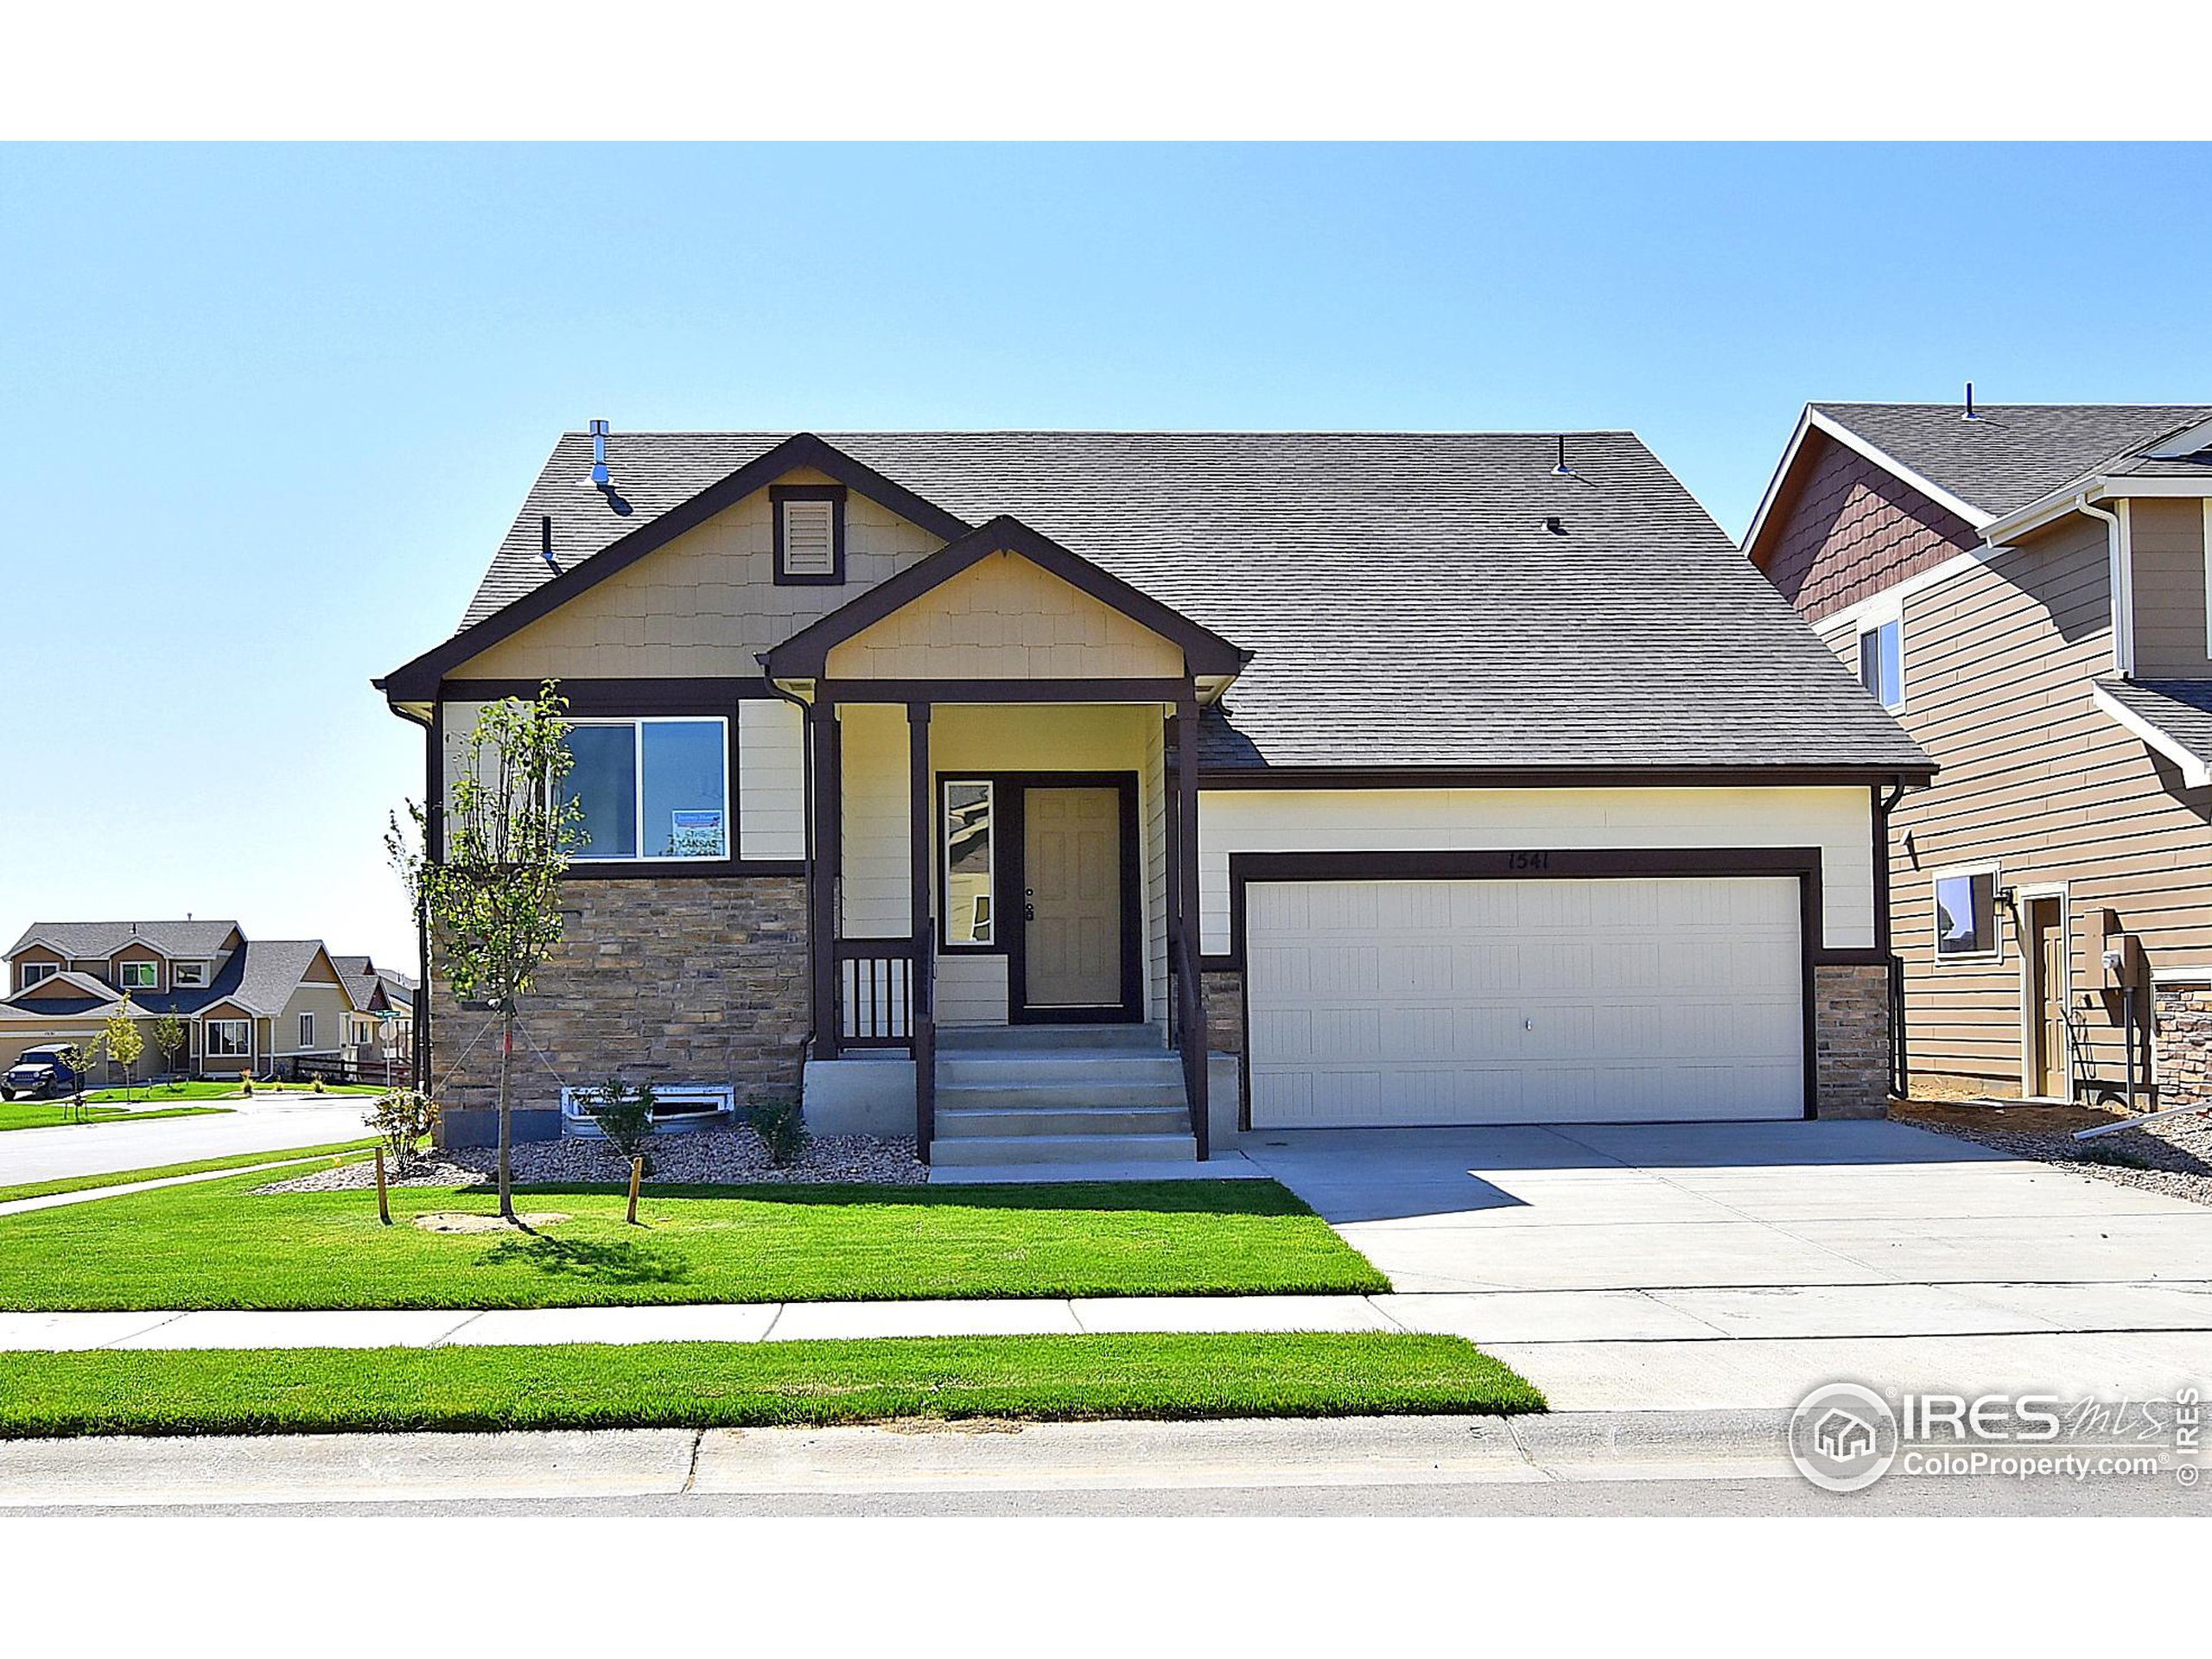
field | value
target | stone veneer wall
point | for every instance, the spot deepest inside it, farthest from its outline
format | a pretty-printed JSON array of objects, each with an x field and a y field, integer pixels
[
  {"x": 1851, "y": 1035},
  {"x": 1224, "y": 994},
  {"x": 2180, "y": 1045},
  {"x": 666, "y": 979}
]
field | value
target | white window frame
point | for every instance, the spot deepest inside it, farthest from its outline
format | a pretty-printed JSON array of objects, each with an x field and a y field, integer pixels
[
  {"x": 197, "y": 970},
  {"x": 637, "y": 724},
  {"x": 1990, "y": 868},
  {"x": 989, "y": 786},
  {"x": 129, "y": 985},
  {"x": 306, "y": 1028},
  {"x": 693, "y": 1102},
  {"x": 212, "y": 1028},
  {"x": 36, "y": 973},
  {"x": 1889, "y": 616}
]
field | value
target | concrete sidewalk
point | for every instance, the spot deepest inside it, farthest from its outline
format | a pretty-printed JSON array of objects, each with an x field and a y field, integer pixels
[{"x": 1702, "y": 1349}]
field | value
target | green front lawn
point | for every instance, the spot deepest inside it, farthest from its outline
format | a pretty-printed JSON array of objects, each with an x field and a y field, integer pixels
[
  {"x": 162, "y": 1171},
  {"x": 163, "y": 1092},
  {"x": 45, "y": 1114},
  {"x": 702, "y": 1385},
  {"x": 219, "y": 1244}
]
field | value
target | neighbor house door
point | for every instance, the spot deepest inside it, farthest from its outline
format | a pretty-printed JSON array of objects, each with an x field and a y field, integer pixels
[
  {"x": 1072, "y": 899},
  {"x": 2047, "y": 1007}
]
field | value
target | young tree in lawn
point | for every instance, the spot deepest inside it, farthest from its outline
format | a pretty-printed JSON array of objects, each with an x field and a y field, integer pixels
[
  {"x": 81, "y": 1059},
  {"x": 491, "y": 895},
  {"x": 124, "y": 1043},
  {"x": 168, "y": 1040}
]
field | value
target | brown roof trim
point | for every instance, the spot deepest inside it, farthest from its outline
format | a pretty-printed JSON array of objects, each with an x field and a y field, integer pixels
[
  {"x": 417, "y": 681},
  {"x": 1553, "y": 776},
  {"x": 805, "y": 655}
]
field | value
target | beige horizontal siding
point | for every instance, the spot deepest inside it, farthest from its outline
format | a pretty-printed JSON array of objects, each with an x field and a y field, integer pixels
[
  {"x": 1999, "y": 662},
  {"x": 2166, "y": 551}
]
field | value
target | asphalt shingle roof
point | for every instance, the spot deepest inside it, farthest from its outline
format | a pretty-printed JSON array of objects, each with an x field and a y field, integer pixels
[
  {"x": 2012, "y": 453},
  {"x": 2180, "y": 709},
  {"x": 85, "y": 940},
  {"x": 1405, "y": 601}
]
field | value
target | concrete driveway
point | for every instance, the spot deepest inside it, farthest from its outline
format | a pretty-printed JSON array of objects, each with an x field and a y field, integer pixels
[
  {"x": 1737, "y": 1266},
  {"x": 264, "y": 1124}
]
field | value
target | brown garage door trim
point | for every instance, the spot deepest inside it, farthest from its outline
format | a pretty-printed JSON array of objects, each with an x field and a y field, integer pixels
[{"x": 1539, "y": 864}]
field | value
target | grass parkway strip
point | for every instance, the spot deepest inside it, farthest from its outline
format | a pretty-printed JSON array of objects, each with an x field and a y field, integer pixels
[
  {"x": 200, "y": 1166},
  {"x": 220, "y": 1244},
  {"x": 709, "y": 1385}
]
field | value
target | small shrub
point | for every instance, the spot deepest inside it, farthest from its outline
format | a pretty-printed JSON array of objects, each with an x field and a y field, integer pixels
[
  {"x": 316, "y": 1085},
  {"x": 781, "y": 1128},
  {"x": 401, "y": 1119},
  {"x": 625, "y": 1115},
  {"x": 245, "y": 1083}
]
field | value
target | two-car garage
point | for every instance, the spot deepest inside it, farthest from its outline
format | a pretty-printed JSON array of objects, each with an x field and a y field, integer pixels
[{"x": 1522, "y": 997}]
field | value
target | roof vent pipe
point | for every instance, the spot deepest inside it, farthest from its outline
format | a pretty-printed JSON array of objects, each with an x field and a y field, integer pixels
[
  {"x": 545, "y": 541},
  {"x": 1969, "y": 415},
  {"x": 600, "y": 478}
]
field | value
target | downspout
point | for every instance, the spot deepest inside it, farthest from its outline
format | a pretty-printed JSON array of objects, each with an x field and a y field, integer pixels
[
  {"x": 2119, "y": 563},
  {"x": 806, "y": 714},
  {"x": 2123, "y": 621}
]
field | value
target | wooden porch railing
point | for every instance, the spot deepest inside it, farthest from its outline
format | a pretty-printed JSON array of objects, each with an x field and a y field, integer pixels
[{"x": 875, "y": 993}]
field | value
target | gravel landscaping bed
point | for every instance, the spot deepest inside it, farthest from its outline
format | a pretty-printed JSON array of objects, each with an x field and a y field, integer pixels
[
  {"x": 2174, "y": 1158},
  {"x": 717, "y": 1157}
]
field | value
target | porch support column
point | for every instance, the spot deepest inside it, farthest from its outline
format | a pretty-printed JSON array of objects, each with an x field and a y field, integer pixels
[
  {"x": 829, "y": 858},
  {"x": 1186, "y": 888},
  {"x": 923, "y": 1017}
]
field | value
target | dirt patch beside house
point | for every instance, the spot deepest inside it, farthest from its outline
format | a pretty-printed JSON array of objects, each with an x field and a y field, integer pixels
[{"x": 2173, "y": 1156}]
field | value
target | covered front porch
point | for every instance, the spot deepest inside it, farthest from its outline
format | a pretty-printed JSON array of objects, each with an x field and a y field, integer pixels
[{"x": 1002, "y": 779}]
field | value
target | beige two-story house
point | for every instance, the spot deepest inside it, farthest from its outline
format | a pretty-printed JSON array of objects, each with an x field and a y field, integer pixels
[
  {"x": 2023, "y": 586},
  {"x": 1082, "y": 796}
]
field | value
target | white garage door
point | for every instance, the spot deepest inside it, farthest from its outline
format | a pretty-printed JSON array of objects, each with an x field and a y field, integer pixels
[{"x": 1523, "y": 1001}]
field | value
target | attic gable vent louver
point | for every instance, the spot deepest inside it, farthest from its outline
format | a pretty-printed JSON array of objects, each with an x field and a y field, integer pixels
[{"x": 809, "y": 533}]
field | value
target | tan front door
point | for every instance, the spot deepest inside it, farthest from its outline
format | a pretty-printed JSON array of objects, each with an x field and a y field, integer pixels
[
  {"x": 2048, "y": 1016},
  {"x": 1072, "y": 845}
]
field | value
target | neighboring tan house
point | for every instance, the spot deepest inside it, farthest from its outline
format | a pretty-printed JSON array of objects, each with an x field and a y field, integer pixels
[
  {"x": 256, "y": 1006},
  {"x": 2050, "y": 894},
  {"x": 1421, "y": 778},
  {"x": 380, "y": 1029}
]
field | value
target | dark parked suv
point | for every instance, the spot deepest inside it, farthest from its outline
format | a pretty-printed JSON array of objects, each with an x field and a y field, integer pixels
[{"x": 41, "y": 1071}]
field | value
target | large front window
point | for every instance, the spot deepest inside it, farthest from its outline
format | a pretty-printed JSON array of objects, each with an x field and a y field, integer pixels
[
  {"x": 652, "y": 789},
  {"x": 229, "y": 1039},
  {"x": 968, "y": 867}
]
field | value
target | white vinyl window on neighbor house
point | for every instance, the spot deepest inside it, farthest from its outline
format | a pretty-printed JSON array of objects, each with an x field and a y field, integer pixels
[
  {"x": 307, "y": 1031},
  {"x": 186, "y": 973},
  {"x": 1967, "y": 927},
  {"x": 229, "y": 1039},
  {"x": 139, "y": 975},
  {"x": 36, "y": 971},
  {"x": 652, "y": 788},
  {"x": 1881, "y": 658}
]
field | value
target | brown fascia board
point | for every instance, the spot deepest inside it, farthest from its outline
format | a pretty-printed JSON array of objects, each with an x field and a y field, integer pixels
[
  {"x": 805, "y": 655},
  {"x": 417, "y": 681},
  {"x": 1596, "y": 776}
]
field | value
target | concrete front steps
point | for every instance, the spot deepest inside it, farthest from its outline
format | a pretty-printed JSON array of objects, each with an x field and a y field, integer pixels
[{"x": 1059, "y": 1094}]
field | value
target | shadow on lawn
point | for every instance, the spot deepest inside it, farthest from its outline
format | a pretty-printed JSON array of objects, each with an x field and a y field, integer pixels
[
  {"x": 1225, "y": 1198},
  {"x": 613, "y": 1263}
]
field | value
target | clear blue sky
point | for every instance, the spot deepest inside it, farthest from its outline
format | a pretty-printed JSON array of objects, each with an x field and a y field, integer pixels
[{"x": 266, "y": 411}]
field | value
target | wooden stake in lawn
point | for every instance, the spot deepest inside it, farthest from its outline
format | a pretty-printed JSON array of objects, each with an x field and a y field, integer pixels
[
  {"x": 637, "y": 1174},
  {"x": 485, "y": 866},
  {"x": 383, "y": 1199}
]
